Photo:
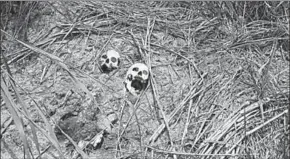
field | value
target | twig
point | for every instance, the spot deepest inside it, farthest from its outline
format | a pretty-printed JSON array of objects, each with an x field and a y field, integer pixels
[
  {"x": 46, "y": 149},
  {"x": 118, "y": 147},
  {"x": 135, "y": 107},
  {"x": 3, "y": 130},
  {"x": 256, "y": 129},
  {"x": 267, "y": 122},
  {"x": 137, "y": 44},
  {"x": 187, "y": 122},
  {"x": 97, "y": 55},
  {"x": 191, "y": 154}
]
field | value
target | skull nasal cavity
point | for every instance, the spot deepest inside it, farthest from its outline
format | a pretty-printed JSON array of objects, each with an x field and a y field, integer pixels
[
  {"x": 140, "y": 73},
  {"x": 107, "y": 61}
]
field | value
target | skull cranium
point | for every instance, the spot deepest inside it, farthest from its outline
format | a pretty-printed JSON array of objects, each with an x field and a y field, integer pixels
[
  {"x": 137, "y": 78},
  {"x": 109, "y": 61}
]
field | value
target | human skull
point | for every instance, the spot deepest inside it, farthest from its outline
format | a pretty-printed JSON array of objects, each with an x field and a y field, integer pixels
[
  {"x": 137, "y": 78},
  {"x": 109, "y": 61}
]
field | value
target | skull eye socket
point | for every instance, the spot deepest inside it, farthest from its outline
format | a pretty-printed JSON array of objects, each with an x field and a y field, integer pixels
[
  {"x": 113, "y": 59},
  {"x": 104, "y": 56},
  {"x": 135, "y": 69},
  {"x": 145, "y": 72}
]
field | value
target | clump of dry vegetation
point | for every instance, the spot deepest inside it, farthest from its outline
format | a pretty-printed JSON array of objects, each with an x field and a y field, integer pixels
[{"x": 219, "y": 82}]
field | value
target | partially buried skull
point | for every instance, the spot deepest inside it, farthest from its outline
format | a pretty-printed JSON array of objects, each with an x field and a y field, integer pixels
[
  {"x": 137, "y": 78},
  {"x": 109, "y": 61}
]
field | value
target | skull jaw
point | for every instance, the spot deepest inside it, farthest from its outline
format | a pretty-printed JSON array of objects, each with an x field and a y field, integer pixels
[
  {"x": 107, "y": 69},
  {"x": 138, "y": 85}
]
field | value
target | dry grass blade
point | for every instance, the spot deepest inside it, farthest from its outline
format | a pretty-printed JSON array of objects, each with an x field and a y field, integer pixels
[
  {"x": 49, "y": 132},
  {"x": 185, "y": 130},
  {"x": 256, "y": 129},
  {"x": 135, "y": 107},
  {"x": 194, "y": 154},
  {"x": 121, "y": 132},
  {"x": 191, "y": 94},
  {"x": 53, "y": 57},
  {"x": 24, "y": 106},
  {"x": 6, "y": 126},
  {"x": 165, "y": 119},
  {"x": 45, "y": 150},
  {"x": 60, "y": 62},
  {"x": 49, "y": 135},
  {"x": 152, "y": 79},
  {"x": 17, "y": 120},
  {"x": 267, "y": 122}
]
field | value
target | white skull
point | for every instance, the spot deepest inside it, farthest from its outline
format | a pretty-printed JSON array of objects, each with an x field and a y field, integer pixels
[
  {"x": 109, "y": 61},
  {"x": 137, "y": 78}
]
